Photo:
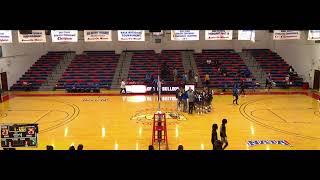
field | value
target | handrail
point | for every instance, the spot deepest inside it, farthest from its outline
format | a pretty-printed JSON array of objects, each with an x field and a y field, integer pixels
[{"x": 120, "y": 71}]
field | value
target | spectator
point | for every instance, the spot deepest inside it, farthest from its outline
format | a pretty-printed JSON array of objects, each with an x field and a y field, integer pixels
[
  {"x": 255, "y": 84},
  {"x": 224, "y": 71},
  {"x": 180, "y": 147},
  {"x": 123, "y": 87},
  {"x": 151, "y": 147},
  {"x": 291, "y": 70},
  {"x": 247, "y": 73},
  {"x": 196, "y": 79},
  {"x": 175, "y": 74},
  {"x": 49, "y": 147},
  {"x": 190, "y": 75},
  {"x": 154, "y": 89},
  {"x": 207, "y": 78},
  {"x": 225, "y": 86},
  {"x": 26, "y": 85},
  {"x": 147, "y": 78},
  {"x": 71, "y": 148},
  {"x": 80, "y": 147},
  {"x": 191, "y": 100},
  {"x": 215, "y": 63},
  {"x": 268, "y": 79},
  {"x": 287, "y": 81},
  {"x": 208, "y": 61},
  {"x": 185, "y": 78},
  {"x": 97, "y": 87}
]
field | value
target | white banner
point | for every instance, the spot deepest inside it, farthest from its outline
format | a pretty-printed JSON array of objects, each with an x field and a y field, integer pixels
[
  {"x": 184, "y": 35},
  {"x": 131, "y": 35},
  {"x": 64, "y": 35},
  {"x": 314, "y": 35},
  {"x": 37, "y": 36},
  {"x": 285, "y": 34},
  {"x": 218, "y": 35},
  {"x": 246, "y": 35},
  {"x": 97, "y": 35},
  {"x": 5, "y": 36}
]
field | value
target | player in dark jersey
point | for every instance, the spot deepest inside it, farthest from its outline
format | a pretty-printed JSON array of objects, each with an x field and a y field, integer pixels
[
  {"x": 235, "y": 93},
  {"x": 223, "y": 133},
  {"x": 214, "y": 136},
  {"x": 218, "y": 145},
  {"x": 242, "y": 86}
]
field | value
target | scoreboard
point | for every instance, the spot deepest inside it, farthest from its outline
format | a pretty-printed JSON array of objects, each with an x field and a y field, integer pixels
[{"x": 19, "y": 135}]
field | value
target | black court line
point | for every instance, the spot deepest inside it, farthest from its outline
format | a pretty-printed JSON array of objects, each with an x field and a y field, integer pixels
[
  {"x": 251, "y": 113},
  {"x": 25, "y": 110},
  {"x": 75, "y": 113},
  {"x": 42, "y": 117},
  {"x": 278, "y": 116},
  {"x": 242, "y": 110}
]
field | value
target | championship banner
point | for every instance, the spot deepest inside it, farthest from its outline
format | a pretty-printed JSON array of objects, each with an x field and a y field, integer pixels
[
  {"x": 184, "y": 35},
  {"x": 218, "y": 35},
  {"x": 246, "y": 35},
  {"x": 131, "y": 35},
  {"x": 37, "y": 36},
  {"x": 97, "y": 35},
  {"x": 5, "y": 36},
  {"x": 64, "y": 35},
  {"x": 285, "y": 35},
  {"x": 314, "y": 35}
]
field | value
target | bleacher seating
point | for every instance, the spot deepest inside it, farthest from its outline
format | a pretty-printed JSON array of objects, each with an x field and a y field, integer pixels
[
  {"x": 229, "y": 59},
  {"x": 148, "y": 61},
  {"x": 90, "y": 68},
  {"x": 272, "y": 63},
  {"x": 39, "y": 71}
]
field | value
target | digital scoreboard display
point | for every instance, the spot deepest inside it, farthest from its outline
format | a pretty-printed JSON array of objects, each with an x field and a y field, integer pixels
[{"x": 19, "y": 135}]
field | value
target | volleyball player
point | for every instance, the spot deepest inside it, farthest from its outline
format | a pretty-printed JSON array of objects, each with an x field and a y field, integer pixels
[
  {"x": 223, "y": 133},
  {"x": 235, "y": 94},
  {"x": 214, "y": 136},
  {"x": 242, "y": 86}
]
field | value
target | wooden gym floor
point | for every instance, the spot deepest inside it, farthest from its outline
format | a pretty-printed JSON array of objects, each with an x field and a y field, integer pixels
[{"x": 109, "y": 122}]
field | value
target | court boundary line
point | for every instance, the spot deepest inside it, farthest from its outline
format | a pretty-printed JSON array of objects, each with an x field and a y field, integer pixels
[
  {"x": 147, "y": 94},
  {"x": 242, "y": 110}
]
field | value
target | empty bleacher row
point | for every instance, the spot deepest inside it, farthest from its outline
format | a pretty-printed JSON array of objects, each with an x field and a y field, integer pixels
[
  {"x": 98, "y": 67},
  {"x": 228, "y": 59},
  {"x": 90, "y": 68},
  {"x": 39, "y": 71},
  {"x": 272, "y": 63},
  {"x": 148, "y": 61}
]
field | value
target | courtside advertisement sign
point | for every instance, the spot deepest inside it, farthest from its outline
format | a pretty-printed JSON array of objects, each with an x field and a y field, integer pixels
[
  {"x": 218, "y": 35},
  {"x": 5, "y": 36},
  {"x": 37, "y": 36},
  {"x": 64, "y": 35},
  {"x": 131, "y": 35},
  {"x": 184, "y": 35},
  {"x": 246, "y": 35},
  {"x": 97, "y": 35},
  {"x": 252, "y": 143},
  {"x": 314, "y": 35},
  {"x": 285, "y": 35}
]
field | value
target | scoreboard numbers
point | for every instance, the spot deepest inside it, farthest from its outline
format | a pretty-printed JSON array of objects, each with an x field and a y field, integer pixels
[{"x": 19, "y": 135}]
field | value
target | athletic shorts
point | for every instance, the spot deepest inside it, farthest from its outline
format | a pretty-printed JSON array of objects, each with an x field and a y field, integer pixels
[{"x": 224, "y": 140}]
